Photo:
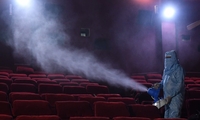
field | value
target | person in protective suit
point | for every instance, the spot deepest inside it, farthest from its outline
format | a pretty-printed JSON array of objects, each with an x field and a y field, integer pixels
[{"x": 173, "y": 85}]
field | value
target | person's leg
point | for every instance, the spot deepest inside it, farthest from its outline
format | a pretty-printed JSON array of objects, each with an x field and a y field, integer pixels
[
  {"x": 166, "y": 115},
  {"x": 175, "y": 107}
]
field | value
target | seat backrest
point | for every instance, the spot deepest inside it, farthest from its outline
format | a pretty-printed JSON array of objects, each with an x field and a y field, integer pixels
[
  {"x": 110, "y": 109},
  {"x": 6, "y": 80},
  {"x": 24, "y": 69},
  {"x": 23, "y": 87},
  {"x": 97, "y": 89},
  {"x": 31, "y": 107},
  {"x": 55, "y": 76},
  {"x": 37, "y": 117},
  {"x": 23, "y": 96},
  {"x": 3, "y": 96},
  {"x": 49, "y": 88},
  {"x": 108, "y": 95},
  {"x": 126, "y": 100},
  {"x": 52, "y": 98},
  {"x": 61, "y": 80},
  {"x": 74, "y": 90},
  {"x": 4, "y": 87},
  {"x": 37, "y": 75},
  {"x": 73, "y": 77},
  {"x": 68, "y": 83},
  {"x": 89, "y": 118},
  {"x": 154, "y": 76},
  {"x": 170, "y": 119},
  {"x": 140, "y": 110},
  {"x": 66, "y": 109},
  {"x": 131, "y": 118},
  {"x": 30, "y": 81},
  {"x": 6, "y": 117},
  {"x": 91, "y": 100},
  {"x": 193, "y": 106},
  {"x": 5, "y": 108}
]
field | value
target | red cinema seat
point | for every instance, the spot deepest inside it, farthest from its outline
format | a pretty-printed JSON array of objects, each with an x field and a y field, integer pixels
[
  {"x": 21, "y": 78},
  {"x": 4, "y": 87},
  {"x": 8, "y": 70},
  {"x": 91, "y": 100},
  {"x": 4, "y": 74},
  {"x": 49, "y": 88},
  {"x": 154, "y": 81},
  {"x": 61, "y": 80},
  {"x": 46, "y": 82},
  {"x": 73, "y": 77},
  {"x": 193, "y": 86},
  {"x": 30, "y": 81},
  {"x": 41, "y": 79},
  {"x": 131, "y": 118},
  {"x": 67, "y": 109},
  {"x": 37, "y": 117},
  {"x": 170, "y": 119},
  {"x": 138, "y": 77},
  {"x": 69, "y": 84},
  {"x": 154, "y": 76},
  {"x": 37, "y": 75},
  {"x": 5, "y": 108},
  {"x": 80, "y": 81},
  {"x": 23, "y": 87},
  {"x": 108, "y": 95},
  {"x": 6, "y": 117},
  {"x": 55, "y": 76},
  {"x": 193, "y": 94},
  {"x": 3, "y": 96},
  {"x": 52, "y": 98},
  {"x": 89, "y": 118},
  {"x": 97, "y": 89},
  {"x": 195, "y": 78},
  {"x": 24, "y": 69},
  {"x": 126, "y": 100},
  {"x": 84, "y": 84},
  {"x": 148, "y": 85},
  {"x": 110, "y": 109},
  {"x": 77, "y": 96},
  {"x": 192, "y": 106},
  {"x": 189, "y": 82},
  {"x": 23, "y": 96},
  {"x": 17, "y": 75},
  {"x": 31, "y": 107},
  {"x": 6, "y": 80},
  {"x": 140, "y": 110},
  {"x": 74, "y": 90}
]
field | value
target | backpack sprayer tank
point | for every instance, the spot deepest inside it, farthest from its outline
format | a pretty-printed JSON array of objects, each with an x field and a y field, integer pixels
[{"x": 154, "y": 93}]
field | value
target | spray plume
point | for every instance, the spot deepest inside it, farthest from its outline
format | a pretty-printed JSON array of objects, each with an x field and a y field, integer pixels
[{"x": 43, "y": 37}]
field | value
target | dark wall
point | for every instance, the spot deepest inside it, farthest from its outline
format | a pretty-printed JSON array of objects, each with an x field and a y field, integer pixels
[{"x": 125, "y": 33}]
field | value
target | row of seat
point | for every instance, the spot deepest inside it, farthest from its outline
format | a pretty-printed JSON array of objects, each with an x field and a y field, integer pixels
[
  {"x": 55, "y": 117},
  {"x": 191, "y": 104},
  {"x": 50, "y": 76},
  {"x": 52, "y": 98},
  {"x": 66, "y": 109},
  {"x": 54, "y": 88}
]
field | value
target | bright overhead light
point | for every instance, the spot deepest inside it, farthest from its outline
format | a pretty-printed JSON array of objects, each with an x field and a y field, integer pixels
[
  {"x": 169, "y": 12},
  {"x": 23, "y": 2}
]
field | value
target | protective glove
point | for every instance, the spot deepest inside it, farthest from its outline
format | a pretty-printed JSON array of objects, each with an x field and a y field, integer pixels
[
  {"x": 168, "y": 99},
  {"x": 156, "y": 85}
]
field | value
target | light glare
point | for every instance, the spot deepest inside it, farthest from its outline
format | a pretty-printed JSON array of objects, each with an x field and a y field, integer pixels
[
  {"x": 169, "y": 12},
  {"x": 23, "y": 2}
]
